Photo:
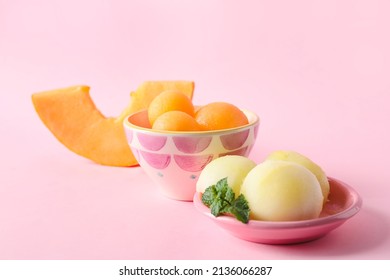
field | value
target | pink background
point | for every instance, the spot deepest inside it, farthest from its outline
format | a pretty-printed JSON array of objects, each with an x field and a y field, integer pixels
[{"x": 316, "y": 72}]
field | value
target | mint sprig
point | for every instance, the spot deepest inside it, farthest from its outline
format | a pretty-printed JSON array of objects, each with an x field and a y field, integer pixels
[{"x": 220, "y": 198}]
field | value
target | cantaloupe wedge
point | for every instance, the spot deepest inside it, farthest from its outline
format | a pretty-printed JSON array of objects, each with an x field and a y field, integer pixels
[{"x": 72, "y": 117}]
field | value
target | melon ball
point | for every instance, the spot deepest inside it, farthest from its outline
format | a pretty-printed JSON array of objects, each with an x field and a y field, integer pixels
[
  {"x": 234, "y": 167},
  {"x": 309, "y": 164},
  {"x": 282, "y": 191}
]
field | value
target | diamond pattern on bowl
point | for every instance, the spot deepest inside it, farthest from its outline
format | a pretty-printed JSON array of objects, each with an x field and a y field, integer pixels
[
  {"x": 158, "y": 161},
  {"x": 192, "y": 163},
  {"x": 191, "y": 145},
  {"x": 175, "y": 160},
  {"x": 152, "y": 143},
  {"x": 234, "y": 140}
]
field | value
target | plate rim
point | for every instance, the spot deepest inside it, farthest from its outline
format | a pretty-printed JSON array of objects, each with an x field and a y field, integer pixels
[{"x": 344, "y": 215}]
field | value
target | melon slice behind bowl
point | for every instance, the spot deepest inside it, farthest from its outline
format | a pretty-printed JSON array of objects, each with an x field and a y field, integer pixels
[{"x": 72, "y": 117}]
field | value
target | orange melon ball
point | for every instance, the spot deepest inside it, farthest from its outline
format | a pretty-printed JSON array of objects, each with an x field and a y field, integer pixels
[
  {"x": 220, "y": 115},
  {"x": 176, "y": 121},
  {"x": 169, "y": 101}
]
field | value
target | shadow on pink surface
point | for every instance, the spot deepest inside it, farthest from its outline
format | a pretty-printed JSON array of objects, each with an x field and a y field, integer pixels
[{"x": 369, "y": 226}]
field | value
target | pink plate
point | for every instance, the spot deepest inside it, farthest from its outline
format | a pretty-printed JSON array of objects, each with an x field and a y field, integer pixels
[{"x": 344, "y": 202}]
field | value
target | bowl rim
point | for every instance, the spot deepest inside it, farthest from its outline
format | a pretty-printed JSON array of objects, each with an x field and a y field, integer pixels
[
  {"x": 254, "y": 120},
  {"x": 343, "y": 215}
]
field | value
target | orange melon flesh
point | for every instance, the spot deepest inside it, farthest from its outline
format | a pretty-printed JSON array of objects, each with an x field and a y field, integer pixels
[
  {"x": 147, "y": 91},
  {"x": 72, "y": 117}
]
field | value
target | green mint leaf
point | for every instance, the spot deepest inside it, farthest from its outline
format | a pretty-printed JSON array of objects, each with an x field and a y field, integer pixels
[
  {"x": 220, "y": 198},
  {"x": 240, "y": 209},
  {"x": 217, "y": 208},
  {"x": 229, "y": 195},
  {"x": 224, "y": 191},
  {"x": 209, "y": 195},
  {"x": 221, "y": 185},
  {"x": 214, "y": 197}
]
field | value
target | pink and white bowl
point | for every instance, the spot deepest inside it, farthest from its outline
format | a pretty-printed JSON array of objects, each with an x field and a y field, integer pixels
[
  {"x": 344, "y": 202},
  {"x": 174, "y": 160}
]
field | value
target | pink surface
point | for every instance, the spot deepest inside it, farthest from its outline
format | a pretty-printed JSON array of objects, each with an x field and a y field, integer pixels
[{"x": 317, "y": 73}]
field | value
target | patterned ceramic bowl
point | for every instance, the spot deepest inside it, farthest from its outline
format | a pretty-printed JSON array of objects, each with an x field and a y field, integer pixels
[{"x": 174, "y": 160}]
